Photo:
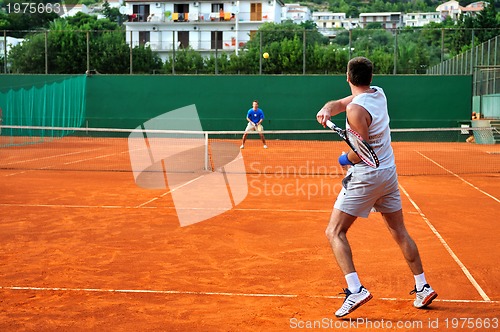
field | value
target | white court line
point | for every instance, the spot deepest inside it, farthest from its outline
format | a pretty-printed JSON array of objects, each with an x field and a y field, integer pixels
[
  {"x": 447, "y": 247},
  {"x": 168, "y": 192},
  {"x": 231, "y": 294},
  {"x": 182, "y": 185},
  {"x": 47, "y": 157},
  {"x": 153, "y": 207},
  {"x": 456, "y": 175}
]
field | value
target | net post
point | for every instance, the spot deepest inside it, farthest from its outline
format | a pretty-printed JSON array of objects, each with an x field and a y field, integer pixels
[{"x": 206, "y": 150}]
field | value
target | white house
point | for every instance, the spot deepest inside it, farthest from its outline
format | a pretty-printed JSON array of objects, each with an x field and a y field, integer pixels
[
  {"x": 72, "y": 10},
  {"x": 473, "y": 8},
  {"x": 388, "y": 20},
  {"x": 449, "y": 8},
  {"x": 204, "y": 26},
  {"x": 327, "y": 22},
  {"x": 6, "y": 45},
  {"x": 296, "y": 13},
  {"x": 421, "y": 19}
]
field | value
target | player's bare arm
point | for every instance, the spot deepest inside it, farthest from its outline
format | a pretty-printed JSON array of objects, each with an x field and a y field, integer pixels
[
  {"x": 333, "y": 108},
  {"x": 359, "y": 120}
]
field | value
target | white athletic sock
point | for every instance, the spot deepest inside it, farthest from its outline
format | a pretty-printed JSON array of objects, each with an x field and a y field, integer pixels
[
  {"x": 353, "y": 283},
  {"x": 420, "y": 281}
]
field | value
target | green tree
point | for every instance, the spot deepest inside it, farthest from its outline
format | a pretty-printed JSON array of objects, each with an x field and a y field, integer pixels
[
  {"x": 486, "y": 22},
  {"x": 21, "y": 23},
  {"x": 67, "y": 43},
  {"x": 186, "y": 61},
  {"x": 113, "y": 14}
]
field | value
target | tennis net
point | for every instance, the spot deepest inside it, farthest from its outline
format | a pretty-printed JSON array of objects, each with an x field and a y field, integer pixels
[{"x": 430, "y": 151}]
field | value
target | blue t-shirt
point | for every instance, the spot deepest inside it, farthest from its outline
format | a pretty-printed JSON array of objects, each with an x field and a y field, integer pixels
[{"x": 255, "y": 116}]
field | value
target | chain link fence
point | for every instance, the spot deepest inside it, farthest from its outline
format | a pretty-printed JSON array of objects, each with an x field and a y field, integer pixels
[{"x": 198, "y": 51}]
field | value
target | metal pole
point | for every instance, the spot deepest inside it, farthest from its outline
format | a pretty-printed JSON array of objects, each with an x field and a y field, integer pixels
[
  {"x": 5, "y": 51},
  {"x": 472, "y": 54},
  {"x": 131, "y": 48},
  {"x": 395, "y": 52},
  {"x": 442, "y": 47},
  {"x": 237, "y": 18},
  {"x": 88, "y": 51},
  {"x": 46, "y": 53},
  {"x": 350, "y": 43},
  {"x": 216, "y": 53},
  {"x": 260, "y": 53},
  {"x": 304, "y": 54},
  {"x": 173, "y": 52}
]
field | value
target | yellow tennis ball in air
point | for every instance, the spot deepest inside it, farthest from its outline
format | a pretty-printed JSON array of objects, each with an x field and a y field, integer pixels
[{"x": 265, "y": 55}]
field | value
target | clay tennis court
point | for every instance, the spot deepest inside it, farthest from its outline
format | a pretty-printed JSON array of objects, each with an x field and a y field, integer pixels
[{"x": 85, "y": 248}]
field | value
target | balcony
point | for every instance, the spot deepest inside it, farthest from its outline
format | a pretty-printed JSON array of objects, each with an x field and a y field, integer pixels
[{"x": 213, "y": 17}]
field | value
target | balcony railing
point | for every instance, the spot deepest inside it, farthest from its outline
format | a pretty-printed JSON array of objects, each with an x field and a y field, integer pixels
[{"x": 200, "y": 17}]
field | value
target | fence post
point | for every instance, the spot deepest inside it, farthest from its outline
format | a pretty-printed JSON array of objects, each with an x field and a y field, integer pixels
[
  {"x": 442, "y": 48},
  {"x": 88, "y": 51},
  {"x": 304, "y": 53},
  {"x": 46, "y": 53},
  {"x": 5, "y": 51},
  {"x": 472, "y": 54},
  {"x": 260, "y": 53},
  {"x": 350, "y": 43},
  {"x": 131, "y": 48},
  {"x": 395, "y": 71},
  {"x": 216, "y": 53},
  {"x": 173, "y": 52}
]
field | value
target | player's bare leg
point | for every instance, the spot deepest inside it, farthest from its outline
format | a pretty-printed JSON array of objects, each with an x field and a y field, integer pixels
[
  {"x": 243, "y": 140},
  {"x": 423, "y": 291},
  {"x": 336, "y": 232},
  {"x": 396, "y": 226},
  {"x": 263, "y": 139}
]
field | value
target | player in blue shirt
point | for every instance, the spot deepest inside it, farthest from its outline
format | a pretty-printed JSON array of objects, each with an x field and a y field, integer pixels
[{"x": 255, "y": 116}]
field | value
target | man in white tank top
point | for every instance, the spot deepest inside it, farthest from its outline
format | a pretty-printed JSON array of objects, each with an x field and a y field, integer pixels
[{"x": 367, "y": 189}]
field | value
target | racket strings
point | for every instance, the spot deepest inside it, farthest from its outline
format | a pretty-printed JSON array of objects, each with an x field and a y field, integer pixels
[{"x": 363, "y": 150}]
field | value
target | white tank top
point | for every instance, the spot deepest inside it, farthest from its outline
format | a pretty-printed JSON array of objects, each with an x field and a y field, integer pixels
[{"x": 379, "y": 132}]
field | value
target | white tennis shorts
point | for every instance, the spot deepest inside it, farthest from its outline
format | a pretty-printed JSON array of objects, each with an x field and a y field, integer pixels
[
  {"x": 251, "y": 127},
  {"x": 365, "y": 190}
]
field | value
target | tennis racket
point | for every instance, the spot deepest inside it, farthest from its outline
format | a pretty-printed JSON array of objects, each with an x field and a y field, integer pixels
[{"x": 361, "y": 147}]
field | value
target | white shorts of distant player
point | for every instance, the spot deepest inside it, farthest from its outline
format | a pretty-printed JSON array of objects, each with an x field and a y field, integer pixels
[
  {"x": 366, "y": 191},
  {"x": 253, "y": 127}
]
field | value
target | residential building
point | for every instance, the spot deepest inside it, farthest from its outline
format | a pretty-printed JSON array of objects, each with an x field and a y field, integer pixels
[
  {"x": 449, "y": 9},
  {"x": 388, "y": 20},
  {"x": 72, "y": 10},
  {"x": 7, "y": 43},
  {"x": 296, "y": 13},
  {"x": 204, "y": 26},
  {"x": 421, "y": 19},
  {"x": 473, "y": 8},
  {"x": 327, "y": 22}
]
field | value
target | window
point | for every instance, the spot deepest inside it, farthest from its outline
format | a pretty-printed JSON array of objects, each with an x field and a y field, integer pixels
[
  {"x": 216, "y": 7},
  {"x": 216, "y": 40},
  {"x": 182, "y": 10},
  {"x": 256, "y": 12},
  {"x": 183, "y": 39},
  {"x": 143, "y": 37},
  {"x": 142, "y": 12}
]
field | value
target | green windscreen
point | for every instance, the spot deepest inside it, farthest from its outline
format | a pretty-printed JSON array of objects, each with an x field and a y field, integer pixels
[{"x": 53, "y": 101}]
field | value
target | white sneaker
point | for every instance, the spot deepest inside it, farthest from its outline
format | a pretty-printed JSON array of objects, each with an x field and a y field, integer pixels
[
  {"x": 242, "y": 146},
  {"x": 265, "y": 146},
  {"x": 353, "y": 301},
  {"x": 424, "y": 297}
]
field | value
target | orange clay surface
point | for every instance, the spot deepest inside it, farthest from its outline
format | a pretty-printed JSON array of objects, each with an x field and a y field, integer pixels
[{"x": 91, "y": 251}]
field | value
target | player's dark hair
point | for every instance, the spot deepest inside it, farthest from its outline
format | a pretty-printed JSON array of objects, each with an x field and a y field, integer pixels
[{"x": 360, "y": 71}]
